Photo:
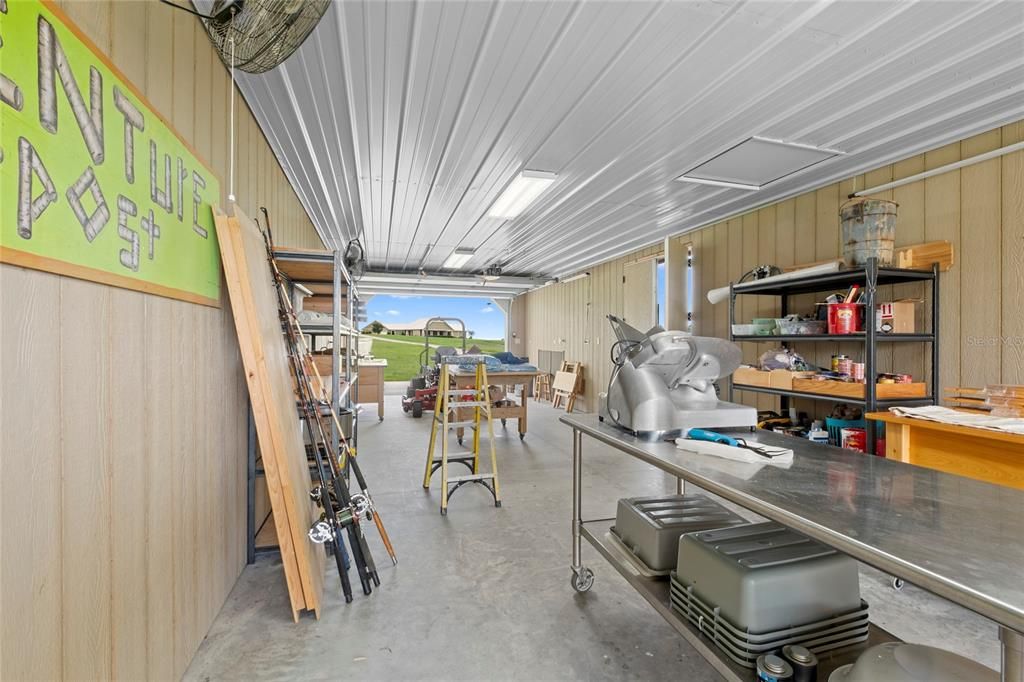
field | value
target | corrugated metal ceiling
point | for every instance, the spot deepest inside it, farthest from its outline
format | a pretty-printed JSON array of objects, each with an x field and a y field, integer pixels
[{"x": 402, "y": 122}]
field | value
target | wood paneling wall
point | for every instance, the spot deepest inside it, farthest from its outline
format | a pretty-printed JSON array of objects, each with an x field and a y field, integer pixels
[
  {"x": 980, "y": 209},
  {"x": 572, "y": 318},
  {"x": 123, "y": 415}
]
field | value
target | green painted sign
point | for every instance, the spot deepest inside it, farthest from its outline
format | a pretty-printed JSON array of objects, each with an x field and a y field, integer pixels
[{"x": 94, "y": 183}]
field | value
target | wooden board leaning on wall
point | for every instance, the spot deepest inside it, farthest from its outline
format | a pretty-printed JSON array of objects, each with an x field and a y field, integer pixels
[{"x": 254, "y": 306}]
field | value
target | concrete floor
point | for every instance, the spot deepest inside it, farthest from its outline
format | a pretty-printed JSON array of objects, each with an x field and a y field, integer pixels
[{"x": 484, "y": 593}]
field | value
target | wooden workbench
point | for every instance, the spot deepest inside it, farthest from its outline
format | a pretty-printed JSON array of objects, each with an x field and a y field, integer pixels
[
  {"x": 991, "y": 456},
  {"x": 518, "y": 412}
]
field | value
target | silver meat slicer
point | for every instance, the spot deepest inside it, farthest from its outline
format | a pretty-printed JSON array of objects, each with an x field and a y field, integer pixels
[{"x": 663, "y": 383}]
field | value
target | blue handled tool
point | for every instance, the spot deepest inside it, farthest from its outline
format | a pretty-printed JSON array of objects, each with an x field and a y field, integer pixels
[
  {"x": 715, "y": 437},
  {"x": 712, "y": 436}
]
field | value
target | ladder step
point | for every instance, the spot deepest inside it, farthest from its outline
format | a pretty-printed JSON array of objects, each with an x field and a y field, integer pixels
[
  {"x": 458, "y": 425},
  {"x": 456, "y": 460},
  {"x": 467, "y": 403},
  {"x": 462, "y": 391},
  {"x": 470, "y": 477}
]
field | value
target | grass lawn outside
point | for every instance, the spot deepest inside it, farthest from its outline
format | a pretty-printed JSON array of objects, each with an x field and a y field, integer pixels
[{"x": 403, "y": 352}]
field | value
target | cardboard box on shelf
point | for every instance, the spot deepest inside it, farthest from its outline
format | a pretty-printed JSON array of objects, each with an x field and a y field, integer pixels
[
  {"x": 751, "y": 377},
  {"x": 897, "y": 317},
  {"x": 842, "y": 389},
  {"x": 783, "y": 378}
]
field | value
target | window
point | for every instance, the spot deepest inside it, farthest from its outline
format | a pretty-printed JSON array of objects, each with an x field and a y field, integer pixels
[
  {"x": 660, "y": 297},
  {"x": 690, "y": 303}
]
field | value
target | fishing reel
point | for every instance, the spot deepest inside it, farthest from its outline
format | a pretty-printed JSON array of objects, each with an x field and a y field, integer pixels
[
  {"x": 361, "y": 506},
  {"x": 321, "y": 533}
]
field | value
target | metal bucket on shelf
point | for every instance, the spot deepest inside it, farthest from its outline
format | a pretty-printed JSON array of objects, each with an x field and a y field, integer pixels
[{"x": 868, "y": 231}]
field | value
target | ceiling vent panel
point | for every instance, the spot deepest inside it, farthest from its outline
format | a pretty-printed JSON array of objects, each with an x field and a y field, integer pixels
[{"x": 756, "y": 162}]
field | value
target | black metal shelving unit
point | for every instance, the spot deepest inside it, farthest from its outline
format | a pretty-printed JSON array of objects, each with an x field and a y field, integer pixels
[{"x": 870, "y": 277}]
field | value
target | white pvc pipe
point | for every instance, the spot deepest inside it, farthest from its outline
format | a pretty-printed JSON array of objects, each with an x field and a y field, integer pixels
[
  {"x": 716, "y": 296},
  {"x": 231, "y": 133},
  {"x": 995, "y": 153}
]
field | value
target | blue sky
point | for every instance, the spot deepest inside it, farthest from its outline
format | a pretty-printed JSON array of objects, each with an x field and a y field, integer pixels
[{"x": 482, "y": 317}]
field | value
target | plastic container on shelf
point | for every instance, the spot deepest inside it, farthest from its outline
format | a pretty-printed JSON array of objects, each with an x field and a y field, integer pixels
[
  {"x": 651, "y": 526},
  {"x": 801, "y": 327},
  {"x": 764, "y": 577}
]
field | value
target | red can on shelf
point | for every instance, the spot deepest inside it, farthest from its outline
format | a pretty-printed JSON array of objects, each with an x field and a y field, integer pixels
[
  {"x": 855, "y": 439},
  {"x": 845, "y": 318}
]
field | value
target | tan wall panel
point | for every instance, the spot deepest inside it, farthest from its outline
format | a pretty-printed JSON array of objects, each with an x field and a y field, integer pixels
[
  {"x": 31, "y": 630},
  {"x": 981, "y": 215},
  {"x": 123, "y": 419},
  {"x": 1011, "y": 334},
  {"x": 980, "y": 295}
]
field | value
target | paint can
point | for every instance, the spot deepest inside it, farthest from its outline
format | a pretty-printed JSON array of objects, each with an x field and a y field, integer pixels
[
  {"x": 803, "y": 662},
  {"x": 845, "y": 366},
  {"x": 771, "y": 668},
  {"x": 835, "y": 361},
  {"x": 854, "y": 439},
  {"x": 845, "y": 318}
]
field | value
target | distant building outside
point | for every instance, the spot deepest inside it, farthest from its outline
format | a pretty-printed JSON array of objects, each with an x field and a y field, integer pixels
[{"x": 415, "y": 328}]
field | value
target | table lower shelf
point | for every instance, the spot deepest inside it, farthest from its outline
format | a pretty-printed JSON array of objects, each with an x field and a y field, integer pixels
[{"x": 656, "y": 592}]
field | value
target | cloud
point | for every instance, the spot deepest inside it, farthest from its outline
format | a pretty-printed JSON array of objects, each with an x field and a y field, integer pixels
[
  {"x": 393, "y": 312},
  {"x": 487, "y": 309}
]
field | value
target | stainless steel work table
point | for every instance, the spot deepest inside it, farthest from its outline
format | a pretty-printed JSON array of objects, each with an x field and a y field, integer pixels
[{"x": 956, "y": 537}]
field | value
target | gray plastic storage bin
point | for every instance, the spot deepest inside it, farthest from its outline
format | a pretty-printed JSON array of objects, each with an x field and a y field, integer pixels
[
  {"x": 651, "y": 526},
  {"x": 764, "y": 577},
  {"x": 836, "y": 632}
]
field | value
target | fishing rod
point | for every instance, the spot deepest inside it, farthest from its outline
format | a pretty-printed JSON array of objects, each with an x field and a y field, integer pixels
[
  {"x": 339, "y": 507},
  {"x": 332, "y": 534},
  {"x": 347, "y": 453},
  {"x": 349, "y": 507}
]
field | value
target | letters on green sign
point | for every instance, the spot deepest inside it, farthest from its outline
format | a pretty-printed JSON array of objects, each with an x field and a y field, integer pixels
[{"x": 76, "y": 141}]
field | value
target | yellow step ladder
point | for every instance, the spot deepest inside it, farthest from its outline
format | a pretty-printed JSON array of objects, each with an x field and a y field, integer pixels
[{"x": 449, "y": 409}]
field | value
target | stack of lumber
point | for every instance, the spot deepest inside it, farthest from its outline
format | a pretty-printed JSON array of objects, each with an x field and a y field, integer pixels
[
  {"x": 913, "y": 257},
  {"x": 267, "y": 373},
  {"x": 999, "y": 400}
]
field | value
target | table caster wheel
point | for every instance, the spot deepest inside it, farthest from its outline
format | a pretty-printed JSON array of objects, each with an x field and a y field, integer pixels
[
  {"x": 503, "y": 422},
  {"x": 583, "y": 580},
  {"x": 460, "y": 441},
  {"x": 522, "y": 436},
  {"x": 897, "y": 584},
  {"x": 444, "y": 512}
]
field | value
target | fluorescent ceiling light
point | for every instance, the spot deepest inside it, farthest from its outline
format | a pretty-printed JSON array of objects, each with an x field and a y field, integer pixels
[
  {"x": 718, "y": 183},
  {"x": 756, "y": 162},
  {"x": 458, "y": 258},
  {"x": 574, "y": 277},
  {"x": 520, "y": 193}
]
